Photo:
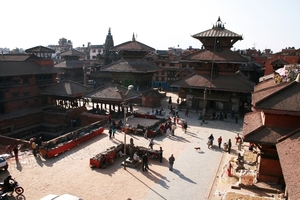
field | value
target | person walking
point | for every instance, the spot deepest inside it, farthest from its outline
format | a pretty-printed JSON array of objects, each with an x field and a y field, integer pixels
[
  {"x": 229, "y": 145},
  {"x": 16, "y": 151},
  {"x": 160, "y": 154},
  {"x": 168, "y": 132},
  {"x": 144, "y": 160},
  {"x": 187, "y": 112},
  {"x": 171, "y": 162},
  {"x": 151, "y": 144},
  {"x": 9, "y": 150},
  {"x": 110, "y": 132},
  {"x": 185, "y": 127},
  {"x": 220, "y": 141}
]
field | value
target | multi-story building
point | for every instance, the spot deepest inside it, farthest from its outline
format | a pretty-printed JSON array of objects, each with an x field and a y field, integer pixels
[
  {"x": 22, "y": 78},
  {"x": 217, "y": 71}
]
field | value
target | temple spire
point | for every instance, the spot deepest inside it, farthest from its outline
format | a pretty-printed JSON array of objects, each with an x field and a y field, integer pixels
[
  {"x": 219, "y": 24},
  {"x": 133, "y": 38}
]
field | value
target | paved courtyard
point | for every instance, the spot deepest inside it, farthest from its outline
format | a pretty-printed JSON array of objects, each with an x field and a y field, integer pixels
[{"x": 193, "y": 177}]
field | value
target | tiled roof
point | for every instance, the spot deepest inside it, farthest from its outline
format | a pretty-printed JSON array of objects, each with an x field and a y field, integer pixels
[
  {"x": 252, "y": 122},
  {"x": 233, "y": 83},
  {"x": 152, "y": 93},
  {"x": 266, "y": 88},
  {"x": 72, "y": 64},
  {"x": 133, "y": 66},
  {"x": 285, "y": 99},
  {"x": 218, "y": 56},
  {"x": 112, "y": 93},
  {"x": 190, "y": 70},
  {"x": 279, "y": 62},
  {"x": 132, "y": 46},
  {"x": 216, "y": 32},
  {"x": 71, "y": 52},
  {"x": 11, "y": 68},
  {"x": 66, "y": 89},
  {"x": 14, "y": 57},
  {"x": 266, "y": 135},
  {"x": 289, "y": 156},
  {"x": 39, "y": 49}
]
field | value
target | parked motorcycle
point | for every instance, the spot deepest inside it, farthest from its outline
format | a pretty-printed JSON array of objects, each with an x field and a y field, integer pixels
[
  {"x": 3, "y": 196},
  {"x": 13, "y": 187}
]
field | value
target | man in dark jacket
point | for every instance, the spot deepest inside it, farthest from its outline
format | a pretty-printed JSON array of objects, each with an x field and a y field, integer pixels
[
  {"x": 145, "y": 160},
  {"x": 171, "y": 162}
]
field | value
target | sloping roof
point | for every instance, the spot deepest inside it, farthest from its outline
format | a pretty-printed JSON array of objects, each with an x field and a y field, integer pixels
[
  {"x": 132, "y": 66},
  {"x": 216, "y": 32},
  {"x": 266, "y": 135},
  {"x": 11, "y": 68},
  {"x": 289, "y": 156},
  {"x": 71, "y": 52},
  {"x": 279, "y": 62},
  {"x": 15, "y": 57},
  {"x": 66, "y": 89},
  {"x": 132, "y": 46},
  {"x": 152, "y": 93},
  {"x": 70, "y": 64},
  {"x": 111, "y": 93},
  {"x": 285, "y": 99},
  {"x": 233, "y": 83},
  {"x": 39, "y": 49},
  {"x": 224, "y": 56},
  {"x": 252, "y": 122},
  {"x": 190, "y": 70},
  {"x": 255, "y": 131}
]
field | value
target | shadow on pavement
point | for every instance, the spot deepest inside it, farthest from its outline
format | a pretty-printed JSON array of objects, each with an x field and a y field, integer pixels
[{"x": 176, "y": 171}]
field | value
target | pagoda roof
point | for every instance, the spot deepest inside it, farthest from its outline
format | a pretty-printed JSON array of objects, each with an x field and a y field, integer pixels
[
  {"x": 112, "y": 93},
  {"x": 132, "y": 46},
  {"x": 223, "y": 56},
  {"x": 218, "y": 30},
  {"x": 18, "y": 68},
  {"x": 66, "y": 89},
  {"x": 39, "y": 49},
  {"x": 132, "y": 66},
  {"x": 234, "y": 83}
]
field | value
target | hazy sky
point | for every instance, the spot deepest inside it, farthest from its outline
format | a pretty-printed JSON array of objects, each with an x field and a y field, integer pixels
[{"x": 160, "y": 24}]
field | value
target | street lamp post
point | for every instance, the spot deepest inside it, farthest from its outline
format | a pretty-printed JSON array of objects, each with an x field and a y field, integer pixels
[
  {"x": 204, "y": 106},
  {"x": 130, "y": 87}
]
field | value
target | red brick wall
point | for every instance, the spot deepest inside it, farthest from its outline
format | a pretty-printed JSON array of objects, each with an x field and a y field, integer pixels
[{"x": 282, "y": 121}]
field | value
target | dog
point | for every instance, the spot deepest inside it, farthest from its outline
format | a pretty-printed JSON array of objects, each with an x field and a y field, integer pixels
[{"x": 198, "y": 148}]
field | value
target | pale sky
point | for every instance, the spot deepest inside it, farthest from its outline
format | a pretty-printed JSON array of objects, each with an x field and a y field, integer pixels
[{"x": 264, "y": 24}]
